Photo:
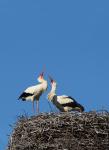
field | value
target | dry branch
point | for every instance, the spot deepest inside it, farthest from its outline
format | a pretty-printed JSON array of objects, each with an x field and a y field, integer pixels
[{"x": 63, "y": 131}]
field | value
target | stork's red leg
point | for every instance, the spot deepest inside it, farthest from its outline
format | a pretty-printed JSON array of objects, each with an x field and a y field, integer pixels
[
  {"x": 33, "y": 106},
  {"x": 37, "y": 106}
]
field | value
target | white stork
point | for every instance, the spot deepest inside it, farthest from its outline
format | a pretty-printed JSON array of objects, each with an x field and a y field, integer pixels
[
  {"x": 64, "y": 103},
  {"x": 33, "y": 93}
]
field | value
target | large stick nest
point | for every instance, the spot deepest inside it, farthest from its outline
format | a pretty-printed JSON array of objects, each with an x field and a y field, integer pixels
[{"x": 63, "y": 131}]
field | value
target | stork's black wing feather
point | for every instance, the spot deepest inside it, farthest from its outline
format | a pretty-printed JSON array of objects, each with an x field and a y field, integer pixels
[
  {"x": 24, "y": 95},
  {"x": 73, "y": 104},
  {"x": 71, "y": 98}
]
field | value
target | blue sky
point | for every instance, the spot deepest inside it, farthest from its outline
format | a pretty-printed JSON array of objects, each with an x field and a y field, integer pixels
[{"x": 71, "y": 38}]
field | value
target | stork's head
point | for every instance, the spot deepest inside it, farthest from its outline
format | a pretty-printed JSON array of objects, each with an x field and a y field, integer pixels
[
  {"x": 52, "y": 81},
  {"x": 41, "y": 77}
]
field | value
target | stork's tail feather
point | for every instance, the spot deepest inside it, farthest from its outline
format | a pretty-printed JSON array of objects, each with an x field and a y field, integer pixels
[
  {"x": 23, "y": 99},
  {"x": 81, "y": 108}
]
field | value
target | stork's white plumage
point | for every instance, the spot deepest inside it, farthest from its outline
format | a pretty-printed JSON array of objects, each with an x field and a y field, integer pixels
[
  {"x": 64, "y": 103},
  {"x": 33, "y": 93}
]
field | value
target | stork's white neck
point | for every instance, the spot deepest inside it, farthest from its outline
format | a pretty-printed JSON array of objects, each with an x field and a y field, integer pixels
[
  {"x": 52, "y": 92},
  {"x": 43, "y": 81},
  {"x": 53, "y": 89},
  {"x": 44, "y": 84}
]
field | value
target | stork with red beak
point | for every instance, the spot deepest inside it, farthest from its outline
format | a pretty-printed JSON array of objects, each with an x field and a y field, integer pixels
[
  {"x": 64, "y": 103},
  {"x": 33, "y": 93}
]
